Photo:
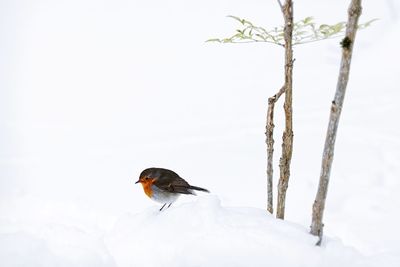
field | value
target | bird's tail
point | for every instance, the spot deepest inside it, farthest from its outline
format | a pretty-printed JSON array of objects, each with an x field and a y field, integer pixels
[{"x": 198, "y": 188}]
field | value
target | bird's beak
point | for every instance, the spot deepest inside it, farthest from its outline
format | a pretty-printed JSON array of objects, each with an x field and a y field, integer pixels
[{"x": 138, "y": 181}]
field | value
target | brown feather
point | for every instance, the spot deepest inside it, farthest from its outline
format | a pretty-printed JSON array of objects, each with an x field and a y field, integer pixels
[{"x": 170, "y": 181}]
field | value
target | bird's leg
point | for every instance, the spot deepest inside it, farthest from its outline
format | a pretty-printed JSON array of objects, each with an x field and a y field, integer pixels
[
  {"x": 163, "y": 206},
  {"x": 169, "y": 205}
]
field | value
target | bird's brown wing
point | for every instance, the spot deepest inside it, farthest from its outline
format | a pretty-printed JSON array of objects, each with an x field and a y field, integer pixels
[{"x": 173, "y": 184}]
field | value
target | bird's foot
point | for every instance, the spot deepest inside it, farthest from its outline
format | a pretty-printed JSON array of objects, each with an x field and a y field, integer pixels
[{"x": 163, "y": 206}]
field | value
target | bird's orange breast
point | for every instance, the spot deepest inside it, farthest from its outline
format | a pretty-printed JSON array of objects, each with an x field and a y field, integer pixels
[{"x": 147, "y": 187}]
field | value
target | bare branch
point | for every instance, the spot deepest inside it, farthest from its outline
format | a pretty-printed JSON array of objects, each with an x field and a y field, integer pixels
[
  {"x": 280, "y": 4},
  {"x": 287, "y": 144},
  {"x": 269, "y": 132},
  {"x": 347, "y": 43}
]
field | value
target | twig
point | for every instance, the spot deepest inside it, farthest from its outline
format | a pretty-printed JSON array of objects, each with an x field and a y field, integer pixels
[
  {"x": 255, "y": 41},
  {"x": 280, "y": 4},
  {"x": 269, "y": 132}
]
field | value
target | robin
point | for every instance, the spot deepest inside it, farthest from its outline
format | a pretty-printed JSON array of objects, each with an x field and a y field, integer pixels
[{"x": 165, "y": 186}]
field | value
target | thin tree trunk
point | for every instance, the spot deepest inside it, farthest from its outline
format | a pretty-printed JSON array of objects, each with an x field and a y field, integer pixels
[
  {"x": 287, "y": 145},
  {"x": 269, "y": 132},
  {"x": 354, "y": 13}
]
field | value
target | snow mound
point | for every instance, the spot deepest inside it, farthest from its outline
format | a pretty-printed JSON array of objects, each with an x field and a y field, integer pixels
[
  {"x": 199, "y": 233},
  {"x": 55, "y": 245},
  {"x": 203, "y": 233},
  {"x": 36, "y": 232}
]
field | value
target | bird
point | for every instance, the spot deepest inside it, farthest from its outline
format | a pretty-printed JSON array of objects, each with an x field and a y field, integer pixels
[{"x": 165, "y": 186}]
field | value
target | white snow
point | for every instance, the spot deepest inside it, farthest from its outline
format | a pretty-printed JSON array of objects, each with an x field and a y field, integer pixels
[
  {"x": 197, "y": 233},
  {"x": 93, "y": 92},
  {"x": 200, "y": 232},
  {"x": 203, "y": 233}
]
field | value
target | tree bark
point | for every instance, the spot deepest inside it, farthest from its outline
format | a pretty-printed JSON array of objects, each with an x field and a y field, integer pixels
[
  {"x": 269, "y": 132},
  {"x": 347, "y": 43},
  {"x": 287, "y": 145}
]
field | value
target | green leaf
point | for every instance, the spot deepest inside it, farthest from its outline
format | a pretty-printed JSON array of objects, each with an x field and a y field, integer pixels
[
  {"x": 323, "y": 26},
  {"x": 304, "y": 31},
  {"x": 227, "y": 40},
  {"x": 370, "y": 22},
  {"x": 300, "y": 33},
  {"x": 308, "y": 20},
  {"x": 247, "y": 22},
  {"x": 214, "y": 40},
  {"x": 261, "y": 36},
  {"x": 366, "y": 24},
  {"x": 237, "y": 18},
  {"x": 338, "y": 27}
]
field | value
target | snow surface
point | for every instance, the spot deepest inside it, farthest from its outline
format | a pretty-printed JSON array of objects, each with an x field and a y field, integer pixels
[
  {"x": 93, "y": 92},
  {"x": 198, "y": 233},
  {"x": 204, "y": 233}
]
